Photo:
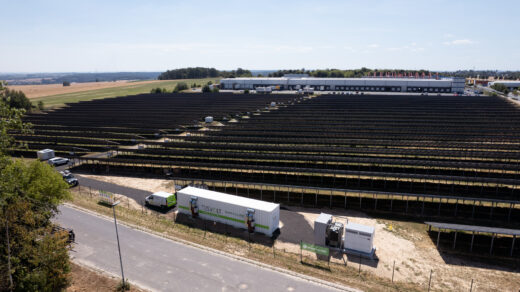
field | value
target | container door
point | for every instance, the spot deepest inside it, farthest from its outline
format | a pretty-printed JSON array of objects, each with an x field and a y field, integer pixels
[
  {"x": 250, "y": 220},
  {"x": 194, "y": 207}
]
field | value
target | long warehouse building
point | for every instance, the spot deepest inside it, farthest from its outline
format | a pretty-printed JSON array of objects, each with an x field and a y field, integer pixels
[
  {"x": 510, "y": 84},
  {"x": 442, "y": 85}
]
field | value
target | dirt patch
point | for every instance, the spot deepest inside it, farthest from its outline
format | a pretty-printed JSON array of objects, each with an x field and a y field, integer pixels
[
  {"x": 34, "y": 91},
  {"x": 146, "y": 184},
  {"x": 86, "y": 279},
  {"x": 406, "y": 243}
]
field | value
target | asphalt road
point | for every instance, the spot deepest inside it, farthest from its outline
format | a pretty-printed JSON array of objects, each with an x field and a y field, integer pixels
[
  {"x": 160, "y": 264},
  {"x": 136, "y": 194}
]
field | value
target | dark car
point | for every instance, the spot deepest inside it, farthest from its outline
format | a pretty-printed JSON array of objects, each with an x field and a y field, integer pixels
[
  {"x": 69, "y": 178},
  {"x": 66, "y": 232}
]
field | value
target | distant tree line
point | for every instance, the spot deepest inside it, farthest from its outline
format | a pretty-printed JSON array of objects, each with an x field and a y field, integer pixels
[
  {"x": 201, "y": 72},
  {"x": 349, "y": 73},
  {"x": 508, "y": 75},
  {"x": 57, "y": 78},
  {"x": 180, "y": 86}
]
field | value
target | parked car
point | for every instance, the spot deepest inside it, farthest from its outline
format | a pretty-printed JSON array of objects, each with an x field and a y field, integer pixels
[
  {"x": 161, "y": 199},
  {"x": 69, "y": 178},
  {"x": 57, "y": 161},
  {"x": 66, "y": 232}
]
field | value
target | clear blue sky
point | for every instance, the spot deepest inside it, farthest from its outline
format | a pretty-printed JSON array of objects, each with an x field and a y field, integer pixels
[{"x": 97, "y": 36}]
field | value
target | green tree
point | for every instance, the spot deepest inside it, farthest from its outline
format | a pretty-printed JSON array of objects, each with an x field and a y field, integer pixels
[
  {"x": 206, "y": 88},
  {"x": 37, "y": 257},
  {"x": 66, "y": 83},
  {"x": 500, "y": 87},
  {"x": 16, "y": 99},
  {"x": 158, "y": 90},
  {"x": 10, "y": 120},
  {"x": 32, "y": 256},
  {"x": 181, "y": 86},
  {"x": 41, "y": 106}
]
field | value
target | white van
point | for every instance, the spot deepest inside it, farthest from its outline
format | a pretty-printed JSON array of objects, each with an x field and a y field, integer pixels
[{"x": 161, "y": 199}]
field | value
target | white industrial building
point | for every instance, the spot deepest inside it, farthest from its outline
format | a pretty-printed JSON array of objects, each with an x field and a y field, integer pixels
[
  {"x": 511, "y": 84},
  {"x": 375, "y": 84}
]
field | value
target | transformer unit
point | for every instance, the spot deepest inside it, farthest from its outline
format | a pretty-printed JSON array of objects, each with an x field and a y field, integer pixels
[{"x": 350, "y": 238}]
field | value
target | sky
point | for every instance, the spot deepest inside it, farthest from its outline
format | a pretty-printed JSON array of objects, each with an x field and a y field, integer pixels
[{"x": 127, "y": 35}]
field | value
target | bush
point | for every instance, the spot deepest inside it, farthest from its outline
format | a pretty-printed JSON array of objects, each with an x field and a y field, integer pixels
[
  {"x": 66, "y": 83},
  {"x": 158, "y": 90},
  {"x": 246, "y": 91},
  {"x": 215, "y": 90},
  {"x": 16, "y": 99},
  {"x": 210, "y": 82},
  {"x": 181, "y": 86},
  {"x": 500, "y": 87},
  {"x": 206, "y": 88},
  {"x": 121, "y": 287},
  {"x": 41, "y": 106},
  {"x": 194, "y": 85}
]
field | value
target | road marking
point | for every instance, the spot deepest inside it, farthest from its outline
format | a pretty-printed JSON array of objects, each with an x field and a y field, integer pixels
[{"x": 242, "y": 286}]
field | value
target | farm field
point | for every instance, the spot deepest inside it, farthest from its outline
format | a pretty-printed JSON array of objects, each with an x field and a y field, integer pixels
[
  {"x": 42, "y": 90},
  {"x": 56, "y": 95}
]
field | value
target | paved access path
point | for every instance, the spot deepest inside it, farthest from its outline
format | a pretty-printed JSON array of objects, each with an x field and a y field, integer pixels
[
  {"x": 159, "y": 264},
  {"x": 136, "y": 194}
]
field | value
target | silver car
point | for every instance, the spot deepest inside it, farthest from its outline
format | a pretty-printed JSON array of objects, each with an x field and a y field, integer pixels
[{"x": 56, "y": 161}]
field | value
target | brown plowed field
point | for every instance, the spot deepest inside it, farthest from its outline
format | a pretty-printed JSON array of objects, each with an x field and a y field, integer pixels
[{"x": 34, "y": 91}]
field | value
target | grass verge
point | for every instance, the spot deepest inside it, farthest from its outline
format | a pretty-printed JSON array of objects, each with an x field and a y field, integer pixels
[{"x": 165, "y": 225}]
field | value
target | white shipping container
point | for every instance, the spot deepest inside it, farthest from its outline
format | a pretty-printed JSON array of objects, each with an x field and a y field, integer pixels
[
  {"x": 45, "y": 154},
  {"x": 263, "y": 89},
  {"x": 230, "y": 209},
  {"x": 359, "y": 237}
]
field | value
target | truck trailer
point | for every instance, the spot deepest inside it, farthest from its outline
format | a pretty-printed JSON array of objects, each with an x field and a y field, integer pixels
[
  {"x": 45, "y": 154},
  {"x": 240, "y": 212}
]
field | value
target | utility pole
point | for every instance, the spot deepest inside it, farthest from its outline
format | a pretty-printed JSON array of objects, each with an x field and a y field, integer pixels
[
  {"x": 118, "y": 246},
  {"x": 8, "y": 255}
]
